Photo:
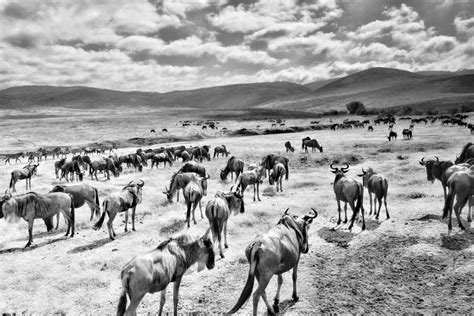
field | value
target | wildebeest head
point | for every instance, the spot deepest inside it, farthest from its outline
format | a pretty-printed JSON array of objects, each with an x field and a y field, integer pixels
[
  {"x": 429, "y": 165},
  {"x": 271, "y": 178},
  {"x": 204, "y": 183},
  {"x": 223, "y": 174},
  {"x": 301, "y": 226},
  {"x": 339, "y": 172},
  {"x": 366, "y": 174},
  {"x": 235, "y": 201},
  {"x": 206, "y": 254}
]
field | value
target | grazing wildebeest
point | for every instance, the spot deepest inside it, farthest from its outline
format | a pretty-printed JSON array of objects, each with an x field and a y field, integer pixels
[
  {"x": 270, "y": 160},
  {"x": 153, "y": 271},
  {"x": 218, "y": 211},
  {"x": 288, "y": 146},
  {"x": 234, "y": 165},
  {"x": 466, "y": 153},
  {"x": 407, "y": 134},
  {"x": 25, "y": 173},
  {"x": 16, "y": 156},
  {"x": 199, "y": 153},
  {"x": 31, "y": 206},
  {"x": 370, "y": 128},
  {"x": 276, "y": 252},
  {"x": 277, "y": 174},
  {"x": 251, "y": 177},
  {"x": 378, "y": 185},
  {"x": 105, "y": 164},
  {"x": 313, "y": 143},
  {"x": 221, "y": 150},
  {"x": 152, "y": 131},
  {"x": 193, "y": 193},
  {"x": 303, "y": 140},
  {"x": 350, "y": 191},
  {"x": 161, "y": 157},
  {"x": 179, "y": 180},
  {"x": 69, "y": 168},
  {"x": 81, "y": 194},
  {"x": 461, "y": 185},
  {"x": 392, "y": 136},
  {"x": 193, "y": 166},
  {"x": 129, "y": 197}
]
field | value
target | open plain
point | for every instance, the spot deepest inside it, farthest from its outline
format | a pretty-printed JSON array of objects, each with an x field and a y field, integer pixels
[{"x": 407, "y": 264}]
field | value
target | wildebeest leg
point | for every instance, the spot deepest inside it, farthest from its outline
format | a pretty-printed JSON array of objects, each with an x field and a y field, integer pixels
[
  {"x": 370, "y": 200},
  {"x": 30, "y": 233},
  {"x": 354, "y": 214},
  {"x": 126, "y": 220},
  {"x": 112, "y": 215},
  {"x": 258, "y": 190},
  {"x": 262, "y": 284},
  {"x": 254, "y": 190},
  {"x": 469, "y": 215},
  {"x": 57, "y": 221},
  {"x": 162, "y": 300},
  {"x": 385, "y": 203},
  {"x": 380, "y": 206},
  {"x": 134, "y": 302},
  {"x": 276, "y": 301},
  {"x": 188, "y": 213},
  {"x": 444, "y": 189},
  {"x": 176, "y": 285},
  {"x": 339, "y": 212},
  {"x": 270, "y": 310},
  {"x": 225, "y": 235},
  {"x": 281, "y": 187},
  {"x": 195, "y": 204},
  {"x": 458, "y": 208},
  {"x": 294, "y": 277},
  {"x": 133, "y": 218},
  {"x": 345, "y": 212}
]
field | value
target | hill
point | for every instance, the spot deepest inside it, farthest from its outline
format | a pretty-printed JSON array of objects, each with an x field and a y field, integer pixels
[{"x": 320, "y": 83}]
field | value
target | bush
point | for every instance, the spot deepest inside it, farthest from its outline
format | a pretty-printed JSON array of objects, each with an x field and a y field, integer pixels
[{"x": 356, "y": 107}]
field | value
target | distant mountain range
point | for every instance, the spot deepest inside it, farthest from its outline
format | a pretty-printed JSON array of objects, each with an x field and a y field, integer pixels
[{"x": 375, "y": 87}]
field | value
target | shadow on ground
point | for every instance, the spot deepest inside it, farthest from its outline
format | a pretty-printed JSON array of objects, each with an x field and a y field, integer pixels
[
  {"x": 32, "y": 247},
  {"x": 459, "y": 241},
  {"x": 93, "y": 245},
  {"x": 339, "y": 237}
]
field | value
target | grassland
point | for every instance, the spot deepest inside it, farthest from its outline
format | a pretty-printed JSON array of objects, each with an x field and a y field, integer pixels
[{"x": 407, "y": 264}]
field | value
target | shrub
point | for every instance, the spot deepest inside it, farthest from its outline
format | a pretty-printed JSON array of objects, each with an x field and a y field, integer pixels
[{"x": 356, "y": 107}]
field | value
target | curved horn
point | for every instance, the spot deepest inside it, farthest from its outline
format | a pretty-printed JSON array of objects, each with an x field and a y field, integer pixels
[
  {"x": 286, "y": 212},
  {"x": 141, "y": 183},
  {"x": 208, "y": 175},
  {"x": 206, "y": 234},
  {"x": 422, "y": 161},
  {"x": 315, "y": 213},
  {"x": 363, "y": 171},
  {"x": 345, "y": 168},
  {"x": 437, "y": 159},
  {"x": 330, "y": 166},
  {"x": 231, "y": 188}
]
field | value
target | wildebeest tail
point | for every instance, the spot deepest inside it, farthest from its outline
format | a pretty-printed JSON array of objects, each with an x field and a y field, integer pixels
[
  {"x": 122, "y": 305},
  {"x": 215, "y": 223},
  {"x": 97, "y": 209},
  {"x": 98, "y": 225},
  {"x": 73, "y": 215},
  {"x": 287, "y": 171},
  {"x": 360, "y": 199},
  {"x": 247, "y": 291},
  {"x": 448, "y": 204},
  {"x": 11, "y": 182}
]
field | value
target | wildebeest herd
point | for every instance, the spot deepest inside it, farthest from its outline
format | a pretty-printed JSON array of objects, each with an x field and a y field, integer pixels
[{"x": 272, "y": 253}]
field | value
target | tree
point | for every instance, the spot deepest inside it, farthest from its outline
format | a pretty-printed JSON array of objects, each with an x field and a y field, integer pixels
[{"x": 356, "y": 107}]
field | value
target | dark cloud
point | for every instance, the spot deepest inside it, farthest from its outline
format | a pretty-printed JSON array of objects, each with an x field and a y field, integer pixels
[
  {"x": 24, "y": 39},
  {"x": 17, "y": 11}
]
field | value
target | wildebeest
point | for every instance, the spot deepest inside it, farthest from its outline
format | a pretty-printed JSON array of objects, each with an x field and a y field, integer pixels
[
  {"x": 269, "y": 161},
  {"x": 179, "y": 180},
  {"x": 193, "y": 166},
  {"x": 81, "y": 194},
  {"x": 407, "y": 134},
  {"x": 288, "y": 146},
  {"x": 378, "y": 185},
  {"x": 15, "y": 156},
  {"x": 303, "y": 140},
  {"x": 370, "y": 128},
  {"x": 161, "y": 157},
  {"x": 31, "y": 206},
  {"x": 200, "y": 152},
  {"x": 153, "y": 271},
  {"x": 23, "y": 174},
  {"x": 234, "y": 165},
  {"x": 313, "y": 143},
  {"x": 193, "y": 193},
  {"x": 70, "y": 167},
  {"x": 129, "y": 197},
  {"x": 251, "y": 177},
  {"x": 276, "y": 252},
  {"x": 350, "y": 191},
  {"x": 436, "y": 169},
  {"x": 461, "y": 186},
  {"x": 276, "y": 175},
  {"x": 101, "y": 164},
  {"x": 218, "y": 211},
  {"x": 392, "y": 136},
  {"x": 220, "y": 150},
  {"x": 466, "y": 153}
]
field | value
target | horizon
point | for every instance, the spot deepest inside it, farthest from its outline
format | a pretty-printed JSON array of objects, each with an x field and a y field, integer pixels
[{"x": 164, "y": 46}]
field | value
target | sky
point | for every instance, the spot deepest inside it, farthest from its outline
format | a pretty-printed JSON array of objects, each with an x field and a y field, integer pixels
[{"x": 165, "y": 45}]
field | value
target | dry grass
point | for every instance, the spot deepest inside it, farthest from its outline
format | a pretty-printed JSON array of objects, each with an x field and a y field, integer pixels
[{"x": 403, "y": 265}]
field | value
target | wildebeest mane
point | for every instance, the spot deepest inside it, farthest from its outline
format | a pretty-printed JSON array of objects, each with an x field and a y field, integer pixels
[
  {"x": 173, "y": 178},
  {"x": 463, "y": 152},
  {"x": 290, "y": 223},
  {"x": 30, "y": 199}
]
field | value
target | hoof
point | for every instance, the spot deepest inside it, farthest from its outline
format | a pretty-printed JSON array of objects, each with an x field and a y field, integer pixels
[
  {"x": 126, "y": 230},
  {"x": 276, "y": 308},
  {"x": 222, "y": 256},
  {"x": 134, "y": 229},
  {"x": 296, "y": 298},
  {"x": 345, "y": 222},
  {"x": 270, "y": 312}
]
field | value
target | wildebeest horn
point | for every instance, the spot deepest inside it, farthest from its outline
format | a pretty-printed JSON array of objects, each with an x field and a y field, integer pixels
[
  {"x": 330, "y": 166},
  {"x": 206, "y": 234},
  {"x": 231, "y": 188},
  {"x": 422, "y": 161},
  {"x": 363, "y": 171},
  {"x": 315, "y": 213},
  {"x": 208, "y": 175},
  {"x": 345, "y": 168},
  {"x": 286, "y": 212},
  {"x": 437, "y": 159},
  {"x": 141, "y": 183}
]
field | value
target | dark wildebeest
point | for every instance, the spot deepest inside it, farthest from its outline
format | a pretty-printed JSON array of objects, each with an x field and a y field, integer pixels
[
  {"x": 288, "y": 146},
  {"x": 193, "y": 166},
  {"x": 370, "y": 128},
  {"x": 466, "y": 153},
  {"x": 234, "y": 165},
  {"x": 303, "y": 140},
  {"x": 81, "y": 194},
  {"x": 313, "y": 143},
  {"x": 129, "y": 197},
  {"x": 222, "y": 150},
  {"x": 152, "y": 131},
  {"x": 407, "y": 134},
  {"x": 378, "y": 185},
  {"x": 71, "y": 167},
  {"x": 199, "y": 153},
  {"x": 16, "y": 156},
  {"x": 436, "y": 169},
  {"x": 104, "y": 164},
  {"x": 270, "y": 160},
  {"x": 25, "y": 173},
  {"x": 218, "y": 211},
  {"x": 161, "y": 157},
  {"x": 350, "y": 191},
  {"x": 277, "y": 174},
  {"x": 276, "y": 252},
  {"x": 179, "y": 180},
  {"x": 193, "y": 193},
  {"x": 392, "y": 136},
  {"x": 31, "y": 206},
  {"x": 461, "y": 185},
  {"x": 164, "y": 130},
  {"x": 251, "y": 177}
]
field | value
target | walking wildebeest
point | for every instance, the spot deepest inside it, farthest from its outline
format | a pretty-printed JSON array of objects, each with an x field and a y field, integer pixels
[
  {"x": 350, "y": 191},
  {"x": 220, "y": 150},
  {"x": 25, "y": 173},
  {"x": 218, "y": 211},
  {"x": 276, "y": 175},
  {"x": 270, "y": 160},
  {"x": 16, "y": 156},
  {"x": 288, "y": 146},
  {"x": 161, "y": 157},
  {"x": 461, "y": 185},
  {"x": 251, "y": 177},
  {"x": 153, "y": 271},
  {"x": 104, "y": 164},
  {"x": 129, "y": 197},
  {"x": 81, "y": 194},
  {"x": 313, "y": 143},
  {"x": 466, "y": 153},
  {"x": 31, "y": 206},
  {"x": 276, "y": 252},
  {"x": 234, "y": 165},
  {"x": 392, "y": 136},
  {"x": 378, "y": 185},
  {"x": 193, "y": 193}
]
